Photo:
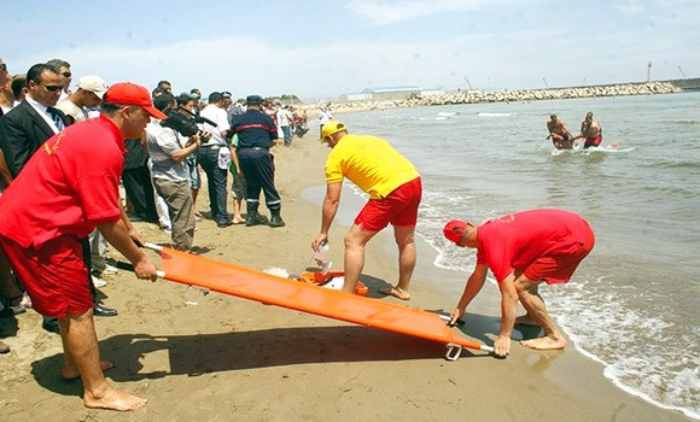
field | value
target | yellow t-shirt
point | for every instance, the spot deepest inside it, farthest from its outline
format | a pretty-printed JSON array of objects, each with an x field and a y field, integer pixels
[{"x": 370, "y": 163}]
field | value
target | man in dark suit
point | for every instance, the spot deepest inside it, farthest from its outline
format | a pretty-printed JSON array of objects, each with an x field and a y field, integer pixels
[{"x": 26, "y": 127}]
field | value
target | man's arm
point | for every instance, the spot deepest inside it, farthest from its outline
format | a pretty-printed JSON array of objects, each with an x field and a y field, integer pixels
[
  {"x": 5, "y": 174},
  {"x": 330, "y": 207},
  {"x": 473, "y": 287},
  {"x": 182, "y": 153},
  {"x": 509, "y": 301},
  {"x": 118, "y": 234},
  {"x": 17, "y": 147}
]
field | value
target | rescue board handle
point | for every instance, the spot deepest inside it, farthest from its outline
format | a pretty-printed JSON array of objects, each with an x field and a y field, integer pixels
[
  {"x": 454, "y": 351},
  {"x": 152, "y": 246}
]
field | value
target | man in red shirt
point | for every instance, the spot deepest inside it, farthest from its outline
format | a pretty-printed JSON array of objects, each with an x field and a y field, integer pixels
[
  {"x": 68, "y": 188},
  {"x": 522, "y": 250}
]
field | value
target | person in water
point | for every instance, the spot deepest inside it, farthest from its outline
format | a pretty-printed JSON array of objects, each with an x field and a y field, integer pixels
[
  {"x": 591, "y": 132},
  {"x": 560, "y": 135},
  {"x": 522, "y": 250}
]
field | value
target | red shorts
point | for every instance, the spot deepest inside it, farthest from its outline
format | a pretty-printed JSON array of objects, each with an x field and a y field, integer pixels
[
  {"x": 400, "y": 208},
  {"x": 593, "y": 142},
  {"x": 55, "y": 275},
  {"x": 558, "y": 268}
]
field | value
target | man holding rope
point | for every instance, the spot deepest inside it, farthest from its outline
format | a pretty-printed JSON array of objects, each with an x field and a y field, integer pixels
[{"x": 67, "y": 189}]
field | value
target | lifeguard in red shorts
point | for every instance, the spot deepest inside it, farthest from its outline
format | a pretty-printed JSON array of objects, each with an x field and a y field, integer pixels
[
  {"x": 68, "y": 188},
  {"x": 523, "y": 250},
  {"x": 394, "y": 187}
]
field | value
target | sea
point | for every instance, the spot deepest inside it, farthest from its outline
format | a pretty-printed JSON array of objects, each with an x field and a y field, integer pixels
[{"x": 634, "y": 303}]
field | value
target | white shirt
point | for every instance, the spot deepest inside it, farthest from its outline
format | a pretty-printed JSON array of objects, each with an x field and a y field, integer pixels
[
  {"x": 325, "y": 117},
  {"x": 283, "y": 117},
  {"x": 71, "y": 109},
  {"x": 219, "y": 116},
  {"x": 162, "y": 143},
  {"x": 44, "y": 113}
]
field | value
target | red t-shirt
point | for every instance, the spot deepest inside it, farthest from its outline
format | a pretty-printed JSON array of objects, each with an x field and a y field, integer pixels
[
  {"x": 514, "y": 241},
  {"x": 70, "y": 185}
]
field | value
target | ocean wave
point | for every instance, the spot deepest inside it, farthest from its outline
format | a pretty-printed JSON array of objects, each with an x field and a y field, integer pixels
[
  {"x": 605, "y": 149},
  {"x": 674, "y": 164},
  {"x": 487, "y": 114},
  {"x": 638, "y": 349},
  {"x": 635, "y": 349}
]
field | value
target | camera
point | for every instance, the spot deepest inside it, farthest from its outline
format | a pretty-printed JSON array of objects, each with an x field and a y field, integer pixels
[{"x": 185, "y": 122}]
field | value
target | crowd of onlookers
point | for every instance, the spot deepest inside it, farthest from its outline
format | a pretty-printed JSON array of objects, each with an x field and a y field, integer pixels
[{"x": 163, "y": 171}]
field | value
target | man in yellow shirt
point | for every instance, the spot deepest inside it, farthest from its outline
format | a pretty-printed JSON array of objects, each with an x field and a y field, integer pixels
[{"x": 395, "y": 189}]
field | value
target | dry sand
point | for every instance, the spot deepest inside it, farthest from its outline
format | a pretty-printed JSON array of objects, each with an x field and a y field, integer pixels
[{"x": 225, "y": 358}]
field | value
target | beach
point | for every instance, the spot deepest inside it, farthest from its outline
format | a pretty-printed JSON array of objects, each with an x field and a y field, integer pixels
[{"x": 212, "y": 357}]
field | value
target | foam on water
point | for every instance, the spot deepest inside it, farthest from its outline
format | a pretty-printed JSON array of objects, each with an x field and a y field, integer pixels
[
  {"x": 604, "y": 329},
  {"x": 638, "y": 355}
]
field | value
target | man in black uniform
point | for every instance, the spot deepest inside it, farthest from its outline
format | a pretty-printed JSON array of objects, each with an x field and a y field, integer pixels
[{"x": 256, "y": 134}]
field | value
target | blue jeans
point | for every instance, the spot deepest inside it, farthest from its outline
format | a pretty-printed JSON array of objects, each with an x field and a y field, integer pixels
[
  {"x": 216, "y": 179},
  {"x": 287, "y": 131}
]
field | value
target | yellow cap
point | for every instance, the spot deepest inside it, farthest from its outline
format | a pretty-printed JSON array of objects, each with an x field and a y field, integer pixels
[{"x": 331, "y": 127}]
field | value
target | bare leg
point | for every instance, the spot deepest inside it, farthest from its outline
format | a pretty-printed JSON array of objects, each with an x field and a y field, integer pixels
[
  {"x": 237, "y": 206},
  {"x": 81, "y": 350},
  {"x": 533, "y": 303},
  {"x": 355, "y": 241},
  {"x": 405, "y": 240},
  {"x": 527, "y": 319}
]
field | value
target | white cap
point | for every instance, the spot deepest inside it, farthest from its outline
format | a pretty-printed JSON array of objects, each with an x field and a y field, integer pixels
[{"x": 94, "y": 84}]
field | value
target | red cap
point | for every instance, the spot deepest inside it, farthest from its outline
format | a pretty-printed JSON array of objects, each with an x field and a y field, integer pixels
[
  {"x": 126, "y": 93},
  {"x": 454, "y": 230}
]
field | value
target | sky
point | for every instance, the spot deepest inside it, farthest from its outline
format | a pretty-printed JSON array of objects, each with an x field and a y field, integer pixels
[{"x": 322, "y": 49}]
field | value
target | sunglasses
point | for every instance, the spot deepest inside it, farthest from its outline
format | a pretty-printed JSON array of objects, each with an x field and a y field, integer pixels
[
  {"x": 67, "y": 74},
  {"x": 53, "y": 88}
]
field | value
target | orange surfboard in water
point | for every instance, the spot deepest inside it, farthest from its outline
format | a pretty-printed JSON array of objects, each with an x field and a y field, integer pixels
[{"x": 242, "y": 282}]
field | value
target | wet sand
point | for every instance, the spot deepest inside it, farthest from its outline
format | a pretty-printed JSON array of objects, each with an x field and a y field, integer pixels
[{"x": 225, "y": 358}]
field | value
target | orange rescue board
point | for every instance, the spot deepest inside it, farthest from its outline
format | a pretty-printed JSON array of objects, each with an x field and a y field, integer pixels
[{"x": 239, "y": 281}]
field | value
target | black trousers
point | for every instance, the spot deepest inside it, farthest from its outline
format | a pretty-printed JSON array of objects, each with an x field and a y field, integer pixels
[
  {"x": 139, "y": 191},
  {"x": 259, "y": 171}
]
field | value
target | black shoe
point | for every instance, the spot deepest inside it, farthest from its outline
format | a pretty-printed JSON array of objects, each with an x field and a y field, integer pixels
[
  {"x": 223, "y": 224},
  {"x": 276, "y": 220},
  {"x": 50, "y": 325},
  {"x": 104, "y": 311},
  {"x": 254, "y": 219}
]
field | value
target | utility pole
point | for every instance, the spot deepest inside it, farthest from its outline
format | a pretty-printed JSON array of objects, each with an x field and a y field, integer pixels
[
  {"x": 649, "y": 72},
  {"x": 680, "y": 69}
]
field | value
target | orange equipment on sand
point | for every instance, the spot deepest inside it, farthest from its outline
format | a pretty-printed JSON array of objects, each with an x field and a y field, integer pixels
[
  {"x": 322, "y": 279},
  {"x": 235, "y": 280}
]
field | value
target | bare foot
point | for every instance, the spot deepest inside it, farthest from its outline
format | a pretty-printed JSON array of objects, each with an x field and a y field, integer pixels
[
  {"x": 73, "y": 374},
  {"x": 526, "y": 320},
  {"x": 114, "y": 399},
  {"x": 545, "y": 343},
  {"x": 397, "y": 292},
  {"x": 238, "y": 220}
]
